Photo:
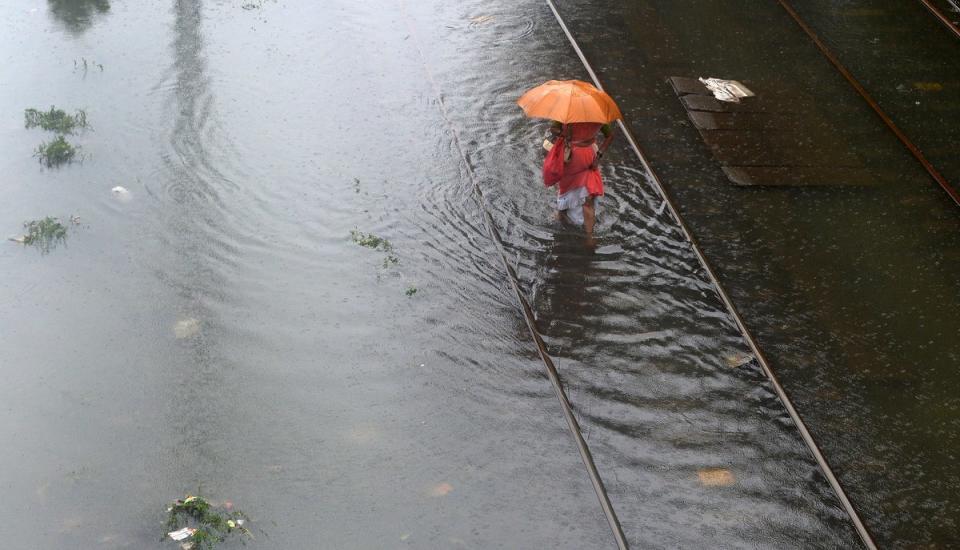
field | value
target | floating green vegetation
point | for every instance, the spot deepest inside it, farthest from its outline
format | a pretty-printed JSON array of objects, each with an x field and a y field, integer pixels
[
  {"x": 369, "y": 240},
  {"x": 257, "y": 4},
  {"x": 77, "y": 15},
  {"x": 56, "y": 120},
  {"x": 56, "y": 152},
  {"x": 44, "y": 234},
  {"x": 411, "y": 291},
  {"x": 203, "y": 525},
  {"x": 86, "y": 65},
  {"x": 390, "y": 260}
]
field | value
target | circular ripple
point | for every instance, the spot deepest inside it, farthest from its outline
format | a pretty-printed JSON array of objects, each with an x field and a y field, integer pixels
[{"x": 502, "y": 26}]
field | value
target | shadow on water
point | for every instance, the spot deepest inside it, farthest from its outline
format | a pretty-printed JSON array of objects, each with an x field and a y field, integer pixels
[
  {"x": 567, "y": 269},
  {"x": 78, "y": 15}
]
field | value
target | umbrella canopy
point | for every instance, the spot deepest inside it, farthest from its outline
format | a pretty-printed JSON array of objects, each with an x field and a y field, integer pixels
[{"x": 569, "y": 101}]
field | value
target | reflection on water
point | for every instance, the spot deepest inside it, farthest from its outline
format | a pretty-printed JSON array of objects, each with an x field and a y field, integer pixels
[
  {"x": 77, "y": 15},
  {"x": 194, "y": 272}
]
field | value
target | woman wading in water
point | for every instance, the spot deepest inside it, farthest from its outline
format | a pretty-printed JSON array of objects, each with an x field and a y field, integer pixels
[
  {"x": 579, "y": 110},
  {"x": 580, "y": 186}
]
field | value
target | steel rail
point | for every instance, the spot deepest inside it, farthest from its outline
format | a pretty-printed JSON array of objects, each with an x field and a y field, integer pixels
[
  {"x": 914, "y": 150},
  {"x": 748, "y": 336},
  {"x": 525, "y": 308},
  {"x": 942, "y": 17}
]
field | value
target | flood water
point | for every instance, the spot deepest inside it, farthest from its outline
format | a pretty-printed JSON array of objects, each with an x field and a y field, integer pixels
[
  {"x": 216, "y": 329},
  {"x": 851, "y": 291}
]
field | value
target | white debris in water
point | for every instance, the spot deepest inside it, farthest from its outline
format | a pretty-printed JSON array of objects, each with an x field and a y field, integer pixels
[
  {"x": 185, "y": 328},
  {"x": 121, "y": 193},
  {"x": 22, "y": 239},
  {"x": 726, "y": 90},
  {"x": 181, "y": 534}
]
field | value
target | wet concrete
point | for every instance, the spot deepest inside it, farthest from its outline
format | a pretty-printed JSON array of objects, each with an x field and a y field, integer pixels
[
  {"x": 850, "y": 290},
  {"x": 219, "y": 331}
]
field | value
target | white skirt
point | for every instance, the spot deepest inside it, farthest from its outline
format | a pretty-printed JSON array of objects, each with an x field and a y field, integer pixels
[{"x": 571, "y": 204}]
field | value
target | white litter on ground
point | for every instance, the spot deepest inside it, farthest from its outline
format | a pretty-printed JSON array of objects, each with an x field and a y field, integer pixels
[
  {"x": 727, "y": 90},
  {"x": 185, "y": 328},
  {"x": 181, "y": 534},
  {"x": 121, "y": 193}
]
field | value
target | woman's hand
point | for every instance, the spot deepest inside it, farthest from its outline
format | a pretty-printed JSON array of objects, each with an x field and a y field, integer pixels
[{"x": 596, "y": 161}]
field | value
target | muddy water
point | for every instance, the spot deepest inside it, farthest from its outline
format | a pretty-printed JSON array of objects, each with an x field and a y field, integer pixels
[
  {"x": 216, "y": 329},
  {"x": 851, "y": 291}
]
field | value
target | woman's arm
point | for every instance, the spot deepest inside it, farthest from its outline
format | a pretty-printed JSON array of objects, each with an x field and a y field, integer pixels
[{"x": 608, "y": 138}]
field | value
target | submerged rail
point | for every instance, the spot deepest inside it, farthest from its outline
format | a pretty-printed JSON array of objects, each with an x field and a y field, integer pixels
[
  {"x": 751, "y": 341},
  {"x": 914, "y": 150},
  {"x": 527, "y": 311},
  {"x": 942, "y": 17}
]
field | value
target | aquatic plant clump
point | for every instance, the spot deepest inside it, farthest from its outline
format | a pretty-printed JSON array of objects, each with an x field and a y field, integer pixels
[
  {"x": 56, "y": 120},
  {"x": 202, "y": 524},
  {"x": 43, "y": 234},
  {"x": 47, "y": 229},
  {"x": 56, "y": 152},
  {"x": 369, "y": 240},
  {"x": 254, "y": 5}
]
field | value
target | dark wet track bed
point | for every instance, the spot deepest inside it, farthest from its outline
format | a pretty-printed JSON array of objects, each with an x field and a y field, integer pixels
[
  {"x": 221, "y": 331},
  {"x": 851, "y": 291}
]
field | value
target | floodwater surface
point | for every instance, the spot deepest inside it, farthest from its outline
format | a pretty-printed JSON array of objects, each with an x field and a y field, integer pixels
[{"x": 219, "y": 328}]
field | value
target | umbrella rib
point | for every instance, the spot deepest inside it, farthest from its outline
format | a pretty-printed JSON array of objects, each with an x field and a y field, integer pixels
[
  {"x": 583, "y": 101},
  {"x": 553, "y": 99}
]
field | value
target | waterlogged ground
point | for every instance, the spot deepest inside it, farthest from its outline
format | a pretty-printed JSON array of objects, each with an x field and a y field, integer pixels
[
  {"x": 224, "y": 324},
  {"x": 851, "y": 291}
]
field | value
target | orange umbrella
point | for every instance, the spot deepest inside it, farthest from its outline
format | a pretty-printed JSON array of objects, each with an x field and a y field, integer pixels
[{"x": 569, "y": 101}]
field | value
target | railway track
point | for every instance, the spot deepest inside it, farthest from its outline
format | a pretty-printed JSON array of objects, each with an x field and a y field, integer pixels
[
  {"x": 848, "y": 76},
  {"x": 944, "y": 18}
]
